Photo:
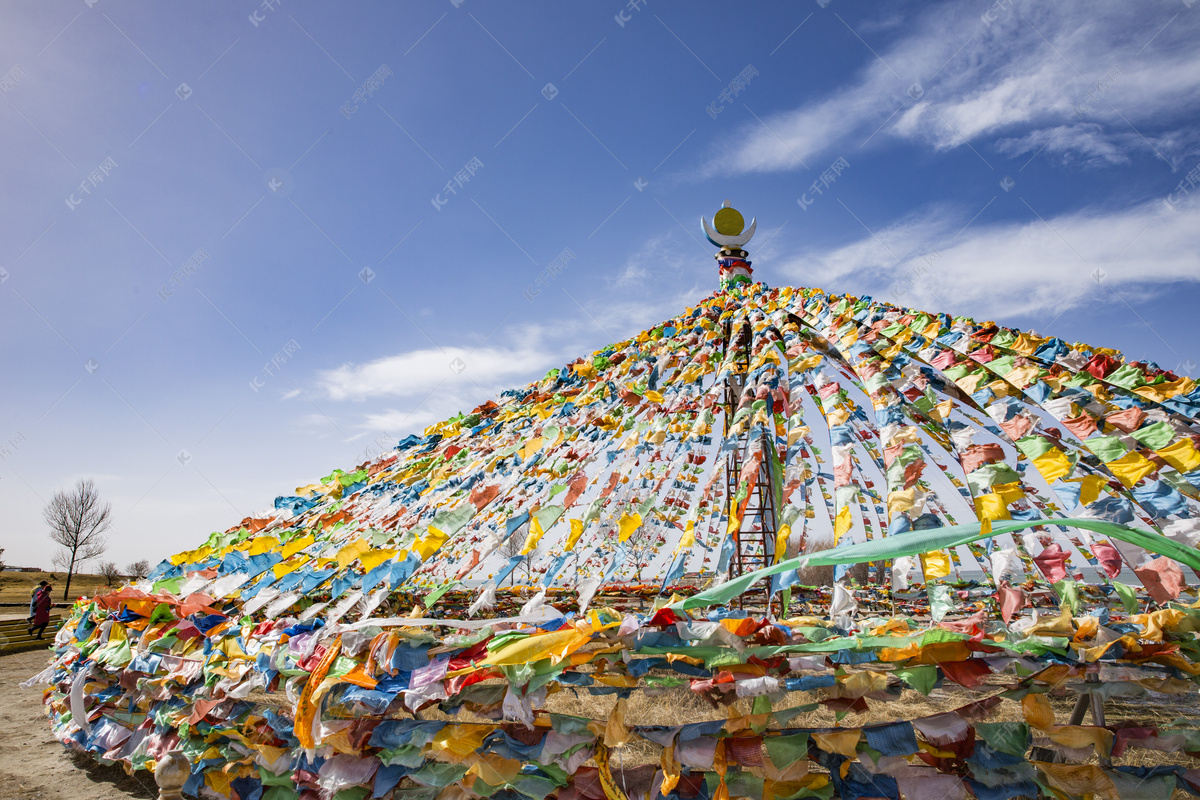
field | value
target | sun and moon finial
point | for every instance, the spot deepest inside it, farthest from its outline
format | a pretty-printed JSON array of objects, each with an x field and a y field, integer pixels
[{"x": 728, "y": 231}]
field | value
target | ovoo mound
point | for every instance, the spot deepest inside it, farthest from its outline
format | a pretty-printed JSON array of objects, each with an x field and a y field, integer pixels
[{"x": 705, "y": 562}]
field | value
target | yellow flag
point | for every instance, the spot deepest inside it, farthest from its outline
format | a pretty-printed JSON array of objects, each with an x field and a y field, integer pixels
[
  {"x": 189, "y": 556},
  {"x": 534, "y": 535},
  {"x": 935, "y": 564},
  {"x": 616, "y": 734},
  {"x": 296, "y": 545},
  {"x": 459, "y": 740},
  {"x": 689, "y": 536},
  {"x": 670, "y": 769},
  {"x": 901, "y": 500},
  {"x": 1053, "y": 464},
  {"x": 430, "y": 543},
  {"x": 942, "y": 410},
  {"x": 220, "y": 782},
  {"x": 291, "y": 565},
  {"x": 843, "y": 522},
  {"x": 374, "y": 558},
  {"x": 531, "y": 447},
  {"x": 263, "y": 544},
  {"x": 536, "y": 648},
  {"x": 576, "y": 532},
  {"x": 1182, "y": 455},
  {"x": 1038, "y": 711},
  {"x": 970, "y": 383},
  {"x": 1090, "y": 486},
  {"x": 837, "y": 416},
  {"x": 781, "y": 537},
  {"x": 628, "y": 524},
  {"x": 1025, "y": 344},
  {"x": 352, "y": 551},
  {"x": 991, "y": 506},
  {"x": 843, "y": 743},
  {"x": 1131, "y": 468},
  {"x": 1080, "y": 736},
  {"x": 1022, "y": 376},
  {"x": 1009, "y": 492},
  {"x": 306, "y": 709}
]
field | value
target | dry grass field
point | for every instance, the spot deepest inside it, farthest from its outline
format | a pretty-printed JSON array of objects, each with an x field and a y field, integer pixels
[{"x": 15, "y": 587}]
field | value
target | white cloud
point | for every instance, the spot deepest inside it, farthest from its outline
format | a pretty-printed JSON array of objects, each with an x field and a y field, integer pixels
[
  {"x": 658, "y": 255},
  {"x": 1092, "y": 144},
  {"x": 1085, "y": 143},
  {"x": 481, "y": 372},
  {"x": 426, "y": 411},
  {"x": 419, "y": 372},
  {"x": 1110, "y": 75},
  {"x": 411, "y": 390},
  {"x": 1007, "y": 269}
]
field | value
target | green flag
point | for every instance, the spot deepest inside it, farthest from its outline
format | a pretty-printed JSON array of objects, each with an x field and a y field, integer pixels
[
  {"x": 921, "y": 678},
  {"x": 1128, "y": 597}
]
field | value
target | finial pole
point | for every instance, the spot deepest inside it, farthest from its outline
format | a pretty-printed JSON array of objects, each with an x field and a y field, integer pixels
[
  {"x": 728, "y": 231},
  {"x": 170, "y": 773}
]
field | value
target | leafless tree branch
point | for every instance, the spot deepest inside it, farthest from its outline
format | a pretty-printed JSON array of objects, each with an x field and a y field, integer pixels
[
  {"x": 111, "y": 572},
  {"x": 513, "y": 547},
  {"x": 78, "y": 521}
]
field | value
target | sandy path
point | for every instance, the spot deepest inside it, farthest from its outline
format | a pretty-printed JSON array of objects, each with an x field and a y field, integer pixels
[{"x": 33, "y": 765}]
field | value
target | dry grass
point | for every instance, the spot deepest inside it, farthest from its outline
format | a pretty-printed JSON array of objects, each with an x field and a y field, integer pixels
[{"x": 15, "y": 587}]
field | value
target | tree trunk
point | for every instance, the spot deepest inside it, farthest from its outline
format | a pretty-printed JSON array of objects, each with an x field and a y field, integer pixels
[{"x": 70, "y": 572}]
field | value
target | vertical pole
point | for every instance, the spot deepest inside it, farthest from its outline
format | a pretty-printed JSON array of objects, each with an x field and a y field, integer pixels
[{"x": 1081, "y": 707}]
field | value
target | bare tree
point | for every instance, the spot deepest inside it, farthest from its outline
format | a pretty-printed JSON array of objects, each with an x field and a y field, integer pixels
[
  {"x": 513, "y": 547},
  {"x": 78, "y": 520},
  {"x": 138, "y": 569},
  {"x": 643, "y": 544},
  {"x": 823, "y": 576},
  {"x": 111, "y": 572}
]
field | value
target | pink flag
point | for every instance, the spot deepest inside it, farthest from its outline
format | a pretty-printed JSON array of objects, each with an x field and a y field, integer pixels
[
  {"x": 1163, "y": 579},
  {"x": 1011, "y": 601},
  {"x": 1109, "y": 558},
  {"x": 1053, "y": 562}
]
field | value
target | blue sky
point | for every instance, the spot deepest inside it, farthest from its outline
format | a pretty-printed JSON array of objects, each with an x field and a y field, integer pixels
[{"x": 230, "y": 260}]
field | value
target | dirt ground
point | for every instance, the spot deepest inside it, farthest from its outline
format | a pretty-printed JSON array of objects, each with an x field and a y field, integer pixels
[{"x": 33, "y": 765}]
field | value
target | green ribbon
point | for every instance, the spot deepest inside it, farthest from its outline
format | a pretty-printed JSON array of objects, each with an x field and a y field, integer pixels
[{"x": 916, "y": 542}]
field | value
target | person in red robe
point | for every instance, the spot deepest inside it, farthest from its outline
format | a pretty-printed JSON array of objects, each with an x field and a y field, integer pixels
[{"x": 41, "y": 610}]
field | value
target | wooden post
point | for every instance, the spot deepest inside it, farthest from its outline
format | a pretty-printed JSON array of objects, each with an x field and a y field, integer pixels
[
  {"x": 1081, "y": 706},
  {"x": 1090, "y": 700}
]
